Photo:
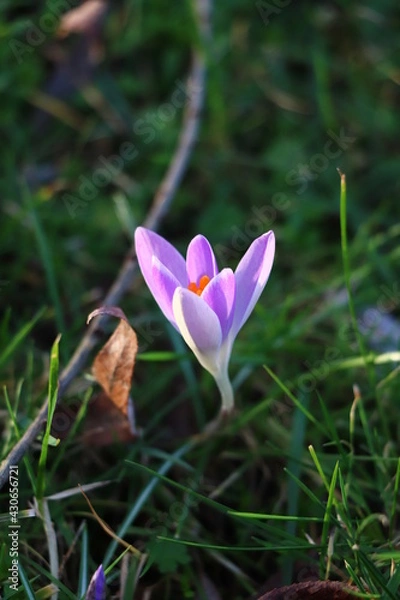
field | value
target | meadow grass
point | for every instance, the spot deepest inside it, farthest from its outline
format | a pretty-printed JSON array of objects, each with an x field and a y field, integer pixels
[{"x": 303, "y": 480}]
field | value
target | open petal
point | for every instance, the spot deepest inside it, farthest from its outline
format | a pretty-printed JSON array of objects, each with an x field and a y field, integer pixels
[
  {"x": 251, "y": 276},
  {"x": 149, "y": 244},
  {"x": 200, "y": 259},
  {"x": 198, "y": 324},
  {"x": 162, "y": 285},
  {"x": 219, "y": 294}
]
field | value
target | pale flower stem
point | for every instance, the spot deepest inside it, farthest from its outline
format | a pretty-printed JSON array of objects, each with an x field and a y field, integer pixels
[{"x": 226, "y": 390}]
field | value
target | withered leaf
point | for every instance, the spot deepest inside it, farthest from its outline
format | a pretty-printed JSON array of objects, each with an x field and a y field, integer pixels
[
  {"x": 111, "y": 414},
  {"x": 105, "y": 424},
  {"x": 313, "y": 590},
  {"x": 114, "y": 364}
]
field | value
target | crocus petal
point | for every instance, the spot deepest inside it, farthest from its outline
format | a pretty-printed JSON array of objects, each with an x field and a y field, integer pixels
[
  {"x": 200, "y": 259},
  {"x": 251, "y": 276},
  {"x": 149, "y": 244},
  {"x": 163, "y": 285},
  {"x": 199, "y": 326},
  {"x": 219, "y": 294},
  {"x": 97, "y": 586}
]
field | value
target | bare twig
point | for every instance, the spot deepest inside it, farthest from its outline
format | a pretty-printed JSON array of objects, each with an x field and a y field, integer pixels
[{"x": 160, "y": 205}]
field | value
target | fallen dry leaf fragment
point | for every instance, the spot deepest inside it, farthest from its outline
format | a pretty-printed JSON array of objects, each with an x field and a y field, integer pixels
[
  {"x": 313, "y": 590},
  {"x": 105, "y": 424},
  {"x": 111, "y": 413},
  {"x": 114, "y": 364}
]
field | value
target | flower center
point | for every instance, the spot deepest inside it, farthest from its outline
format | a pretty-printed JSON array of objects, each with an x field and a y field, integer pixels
[{"x": 198, "y": 289}]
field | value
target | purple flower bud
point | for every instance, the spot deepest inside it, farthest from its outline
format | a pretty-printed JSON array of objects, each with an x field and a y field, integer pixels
[
  {"x": 97, "y": 586},
  {"x": 207, "y": 306}
]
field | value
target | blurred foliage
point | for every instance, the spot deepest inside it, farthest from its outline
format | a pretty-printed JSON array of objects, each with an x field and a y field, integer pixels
[{"x": 292, "y": 96}]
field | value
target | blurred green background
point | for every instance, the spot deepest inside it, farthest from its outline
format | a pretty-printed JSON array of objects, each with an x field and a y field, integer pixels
[
  {"x": 282, "y": 82},
  {"x": 295, "y": 90}
]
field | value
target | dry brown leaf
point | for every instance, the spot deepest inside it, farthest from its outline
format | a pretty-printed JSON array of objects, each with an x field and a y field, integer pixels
[
  {"x": 114, "y": 364},
  {"x": 111, "y": 413},
  {"x": 105, "y": 424},
  {"x": 313, "y": 590}
]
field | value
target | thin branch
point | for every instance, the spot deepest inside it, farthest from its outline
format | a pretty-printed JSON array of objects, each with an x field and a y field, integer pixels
[{"x": 161, "y": 203}]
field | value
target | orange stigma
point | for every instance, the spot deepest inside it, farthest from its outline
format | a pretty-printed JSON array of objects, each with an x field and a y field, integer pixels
[{"x": 198, "y": 289}]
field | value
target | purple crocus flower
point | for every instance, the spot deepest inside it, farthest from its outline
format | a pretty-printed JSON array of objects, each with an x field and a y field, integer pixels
[
  {"x": 97, "y": 585},
  {"x": 207, "y": 306}
]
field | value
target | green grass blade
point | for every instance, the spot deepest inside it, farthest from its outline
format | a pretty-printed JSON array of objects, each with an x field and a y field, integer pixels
[
  {"x": 30, "y": 594},
  {"x": 328, "y": 519},
  {"x": 394, "y": 584},
  {"x": 19, "y": 337},
  {"x": 13, "y": 418},
  {"x": 331, "y": 426},
  {"x": 306, "y": 490},
  {"x": 347, "y": 273},
  {"x": 344, "y": 505},
  {"x": 319, "y": 467},
  {"x": 65, "y": 593},
  {"x": 71, "y": 433},
  {"x": 273, "y": 517},
  {"x": 299, "y": 426},
  {"x": 368, "y": 360},
  {"x": 392, "y": 516},
  {"x": 230, "y": 548},
  {"x": 374, "y": 577},
  {"x": 83, "y": 580},
  {"x": 270, "y": 531},
  {"x": 143, "y": 497},
  {"x": 46, "y": 255},
  {"x": 296, "y": 402},
  {"x": 52, "y": 401}
]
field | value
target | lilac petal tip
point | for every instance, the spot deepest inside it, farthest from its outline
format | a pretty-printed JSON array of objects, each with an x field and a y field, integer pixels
[
  {"x": 200, "y": 259},
  {"x": 251, "y": 276},
  {"x": 97, "y": 586},
  {"x": 149, "y": 244}
]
